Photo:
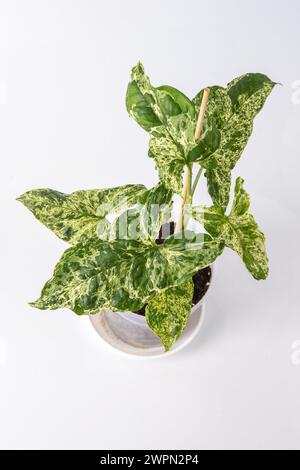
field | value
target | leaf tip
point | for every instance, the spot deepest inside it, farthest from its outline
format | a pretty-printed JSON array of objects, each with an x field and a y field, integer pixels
[
  {"x": 263, "y": 275},
  {"x": 24, "y": 199},
  {"x": 167, "y": 346},
  {"x": 138, "y": 68},
  {"x": 21, "y": 198},
  {"x": 37, "y": 304}
]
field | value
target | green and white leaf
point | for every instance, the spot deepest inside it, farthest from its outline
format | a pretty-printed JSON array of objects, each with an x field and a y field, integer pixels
[
  {"x": 170, "y": 146},
  {"x": 156, "y": 209},
  {"x": 218, "y": 111},
  {"x": 232, "y": 110},
  {"x": 150, "y": 106},
  {"x": 170, "y": 118},
  {"x": 219, "y": 107},
  {"x": 123, "y": 274},
  {"x": 168, "y": 312},
  {"x": 168, "y": 157},
  {"x": 185, "y": 104},
  {"x": 76, "y": 217},
  {"x": 145, "y": 220},
  {"x": 238, "y": 230},
  {"x": 219, "y": 184}
]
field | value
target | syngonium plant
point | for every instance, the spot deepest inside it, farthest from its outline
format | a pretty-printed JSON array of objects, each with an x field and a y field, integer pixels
[{"x": 114, "y": 262}]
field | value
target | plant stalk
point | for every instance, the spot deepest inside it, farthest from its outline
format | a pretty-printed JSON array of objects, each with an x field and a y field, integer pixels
[
  {"x": 185, "y": 196},
  {"x": 196, "y": 181},
  {"x": 188, "y": 190}
]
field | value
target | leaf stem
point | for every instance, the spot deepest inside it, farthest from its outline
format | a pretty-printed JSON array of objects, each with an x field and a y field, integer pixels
[
  {"x": 185, "y": 198},
  {"x": 196, "y": 181}
]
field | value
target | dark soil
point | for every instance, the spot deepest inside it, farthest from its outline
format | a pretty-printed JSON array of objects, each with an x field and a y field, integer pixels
[
  {"x": 201, "y": 279},
  {"x": 201, "y": 284}
]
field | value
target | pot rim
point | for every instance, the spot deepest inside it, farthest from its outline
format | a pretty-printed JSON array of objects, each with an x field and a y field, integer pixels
[{"x": 197, "y": 312}]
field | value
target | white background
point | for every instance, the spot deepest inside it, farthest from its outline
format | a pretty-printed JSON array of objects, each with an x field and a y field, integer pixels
[{"x": 64, "y": 68}]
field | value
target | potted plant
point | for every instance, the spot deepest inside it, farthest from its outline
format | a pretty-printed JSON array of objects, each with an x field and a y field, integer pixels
[{"x": 122, "y": 257}]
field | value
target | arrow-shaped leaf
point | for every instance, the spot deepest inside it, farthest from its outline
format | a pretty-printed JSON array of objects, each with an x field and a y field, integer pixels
[
  {"x": 123, "y": 274},
  {"x": 168, "y": 312},
  {"x": 170, "y": 118},
  {"x": 150, "y": 106},
  {"x": 238, "y": 230},
  {"x": 232, "y": 112},
  {"x": 75, "y": 217}
]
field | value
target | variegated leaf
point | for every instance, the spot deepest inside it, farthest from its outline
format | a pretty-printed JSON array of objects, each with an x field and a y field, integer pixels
[
  {"x": 123, "y": 275},
  {"x": 170, "y": 118},
  {"x": 145, "y": 220},
  {"x": 172, "y": 146},
  {"x": 168, "y": 157},
  {"x": 238, "y": 230},
  {"x": 219, "y": 184},
  {"x": 218, "y": 111},
  {"x": 219, "y": 107},
  {"x": 139, "y": 107},
  {"x": 168, "y": 312},
  {"x": 151, "y": 106},
  {"x": 156, "y": 209},
  {"x": 185, "y": 104},
  {"x": 182, "y": 131},
  {"x": 75, "y": 217},
  {"x": 232, "y": 110},
  {"x": 202, "y": 151}
]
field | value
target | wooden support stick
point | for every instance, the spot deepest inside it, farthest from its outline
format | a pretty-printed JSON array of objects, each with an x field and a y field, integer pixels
[
  {"x": 202, "y": 114},
  {"x": 186, "y": 192}
]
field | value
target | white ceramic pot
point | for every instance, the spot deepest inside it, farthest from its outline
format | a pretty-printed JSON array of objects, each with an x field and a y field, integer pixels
[{"x": 128, "y": 333}]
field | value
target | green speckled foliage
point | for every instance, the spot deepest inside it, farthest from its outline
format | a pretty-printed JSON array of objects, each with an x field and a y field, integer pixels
[
  {"x": 75, "y": 217},
  {"x": 243, "y": 98},
  {"x": 238, "y": 230},
  {"x": 227, "y": 127},
  {"x": 115, "y": 261},
  {"x": 145, "y": 219},
  {"x": 123, "y": 274},
  {"x": 168, "y": 312}
]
